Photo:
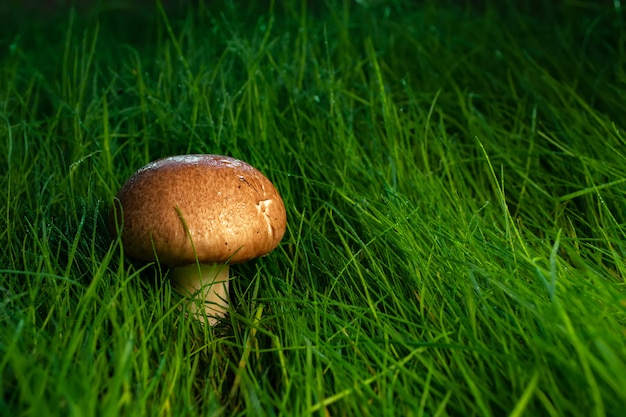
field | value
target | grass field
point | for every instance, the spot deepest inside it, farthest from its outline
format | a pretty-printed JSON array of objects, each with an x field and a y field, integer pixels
[{"x": 455, "y": 182}]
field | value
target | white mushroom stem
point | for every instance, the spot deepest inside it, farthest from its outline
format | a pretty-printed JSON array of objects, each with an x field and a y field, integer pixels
[{"x": 206, "y": 287}]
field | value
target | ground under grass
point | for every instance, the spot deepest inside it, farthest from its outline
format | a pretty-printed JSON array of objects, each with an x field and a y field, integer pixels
[{"x": 455, "y": 182}]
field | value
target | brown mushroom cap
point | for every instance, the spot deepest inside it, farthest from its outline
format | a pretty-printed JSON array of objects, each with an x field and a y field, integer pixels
[{"x": 228, "y": 209}]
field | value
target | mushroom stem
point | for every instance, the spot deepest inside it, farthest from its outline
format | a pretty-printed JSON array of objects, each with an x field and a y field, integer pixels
[{"x": 206, "y": 288}]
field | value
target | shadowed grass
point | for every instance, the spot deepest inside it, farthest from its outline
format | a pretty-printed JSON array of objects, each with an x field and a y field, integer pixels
[{"x": 455, "y": 185}]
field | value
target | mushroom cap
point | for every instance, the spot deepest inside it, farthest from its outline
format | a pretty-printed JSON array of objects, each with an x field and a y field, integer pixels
[{"x": 217, "y": 208}]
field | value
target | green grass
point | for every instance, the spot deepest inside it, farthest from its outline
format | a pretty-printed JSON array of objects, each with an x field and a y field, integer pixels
[{"x": 455, "y": 181}]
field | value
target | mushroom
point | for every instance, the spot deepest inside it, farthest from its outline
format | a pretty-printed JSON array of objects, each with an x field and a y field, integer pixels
[{"x": 198, "y": 214}]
